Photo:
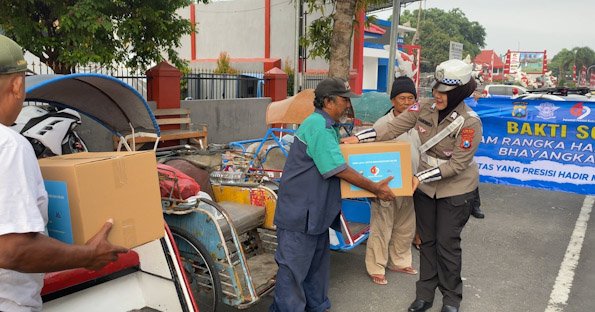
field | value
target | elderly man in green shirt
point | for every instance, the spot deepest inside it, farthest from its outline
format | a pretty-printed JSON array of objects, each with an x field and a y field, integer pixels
[{"x": 310, "y": 200}]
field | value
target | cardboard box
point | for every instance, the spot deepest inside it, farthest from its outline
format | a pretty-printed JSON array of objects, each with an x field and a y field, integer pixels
[
  {"x": 86, "y": 189},
  {"x": 377, "y": 161}
]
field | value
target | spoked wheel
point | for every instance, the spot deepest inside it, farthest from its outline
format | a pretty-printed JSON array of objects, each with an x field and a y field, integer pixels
[{"x": 200, "y": 270}]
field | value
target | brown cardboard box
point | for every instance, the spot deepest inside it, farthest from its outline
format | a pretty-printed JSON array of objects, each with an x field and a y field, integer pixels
[
  {"x": 377, "y": 161},
  {"x": 86, "y": 189}
]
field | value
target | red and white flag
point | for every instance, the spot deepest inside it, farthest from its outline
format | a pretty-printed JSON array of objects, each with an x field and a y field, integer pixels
[
  {"x": 584, "y": 76},
  {"x": 492, "y": 66},
  {"x": 574, "y": 73},
  {"x": 507, "y": 63}
]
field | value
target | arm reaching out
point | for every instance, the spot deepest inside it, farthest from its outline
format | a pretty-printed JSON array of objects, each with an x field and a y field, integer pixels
[
  {"x": 350, "y": 140},
  {"x": 380, "y": 189},
  {"x": 35, "y": 252}
]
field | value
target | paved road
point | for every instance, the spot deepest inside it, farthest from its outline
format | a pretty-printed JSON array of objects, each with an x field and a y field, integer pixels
[{"x": 511, "y": 260}]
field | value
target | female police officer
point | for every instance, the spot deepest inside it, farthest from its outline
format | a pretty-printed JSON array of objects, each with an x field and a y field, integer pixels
[{"x": 447, "y": 176}]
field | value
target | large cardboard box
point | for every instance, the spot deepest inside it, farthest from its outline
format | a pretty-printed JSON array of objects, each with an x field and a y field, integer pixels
[
  {"x": 86, "y": 189},
  {"x": 377, "y": 161}
]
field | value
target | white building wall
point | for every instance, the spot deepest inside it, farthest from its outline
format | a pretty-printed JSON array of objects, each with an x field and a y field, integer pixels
[
  {"x": 370, "y": 79},
  {"x": 235, "y": 27},
  {"x": 184, "y": 52},
  {"x": 283, "y": 31}
]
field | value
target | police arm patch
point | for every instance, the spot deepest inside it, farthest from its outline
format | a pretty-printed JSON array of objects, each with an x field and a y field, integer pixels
[
  {"x": 467, "y": 137},
  {"x": 414, "y": 108}
]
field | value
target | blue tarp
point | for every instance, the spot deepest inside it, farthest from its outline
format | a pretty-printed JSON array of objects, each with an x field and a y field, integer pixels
[{"x": 371, "y": 106}]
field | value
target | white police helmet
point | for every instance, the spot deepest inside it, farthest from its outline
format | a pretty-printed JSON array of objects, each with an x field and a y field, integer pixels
[{"x": 451, "y": 74}]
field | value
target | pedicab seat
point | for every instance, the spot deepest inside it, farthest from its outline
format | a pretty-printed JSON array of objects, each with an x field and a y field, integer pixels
[{"x": 244, "y": 217}]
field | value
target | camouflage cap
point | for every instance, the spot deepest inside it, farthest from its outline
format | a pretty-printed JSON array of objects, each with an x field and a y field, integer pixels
[{"x": 12, "y": 59}]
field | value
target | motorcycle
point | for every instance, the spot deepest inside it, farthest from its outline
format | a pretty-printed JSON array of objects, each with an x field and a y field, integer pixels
[{"x": 51, "y": 131}]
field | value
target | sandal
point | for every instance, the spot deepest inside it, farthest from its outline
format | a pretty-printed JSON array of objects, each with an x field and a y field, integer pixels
[
  {"x": 407, "y": 270},
  {"x": 378, "y": 279}
]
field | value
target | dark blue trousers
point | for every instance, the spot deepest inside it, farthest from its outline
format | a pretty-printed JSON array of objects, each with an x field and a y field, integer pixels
[
  {"x": 439, "y": 224},
  {"x": 304, "y": 272}
]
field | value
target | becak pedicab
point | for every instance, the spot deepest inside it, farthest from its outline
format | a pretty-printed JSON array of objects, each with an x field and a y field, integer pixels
[
  {"x": 226, "y": 239},
  {"x": 225, "y": 235},
  {"x": 150, "y": 277}
]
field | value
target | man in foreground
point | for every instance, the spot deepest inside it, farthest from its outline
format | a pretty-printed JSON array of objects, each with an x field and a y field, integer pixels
[{"x": 25, "y": 251}]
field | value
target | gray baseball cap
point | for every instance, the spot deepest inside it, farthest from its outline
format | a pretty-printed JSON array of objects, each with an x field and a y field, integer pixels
[
  {"x": 12, "y": 59},
  {"x": 334, "y": 86}
]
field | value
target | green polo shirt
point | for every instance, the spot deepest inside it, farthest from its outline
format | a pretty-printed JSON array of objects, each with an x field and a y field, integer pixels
[{"x": 309, "y": 192}]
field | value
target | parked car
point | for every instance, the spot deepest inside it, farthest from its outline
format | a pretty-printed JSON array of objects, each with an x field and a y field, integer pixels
[
  {"x": 502, "y": 91},
  {"x": 558, "y": 94}
]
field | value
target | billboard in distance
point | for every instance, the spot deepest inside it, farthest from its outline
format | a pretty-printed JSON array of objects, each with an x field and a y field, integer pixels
[{"x": 527, "y": 62}]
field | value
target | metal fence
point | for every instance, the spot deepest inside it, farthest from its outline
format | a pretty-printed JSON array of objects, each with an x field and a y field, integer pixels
[
  {"x": 134, "y": 77},
  {"x": 205, "y": 84},
  {"x": 310, "y": 81},
  {"x": 199, "y": 84}
]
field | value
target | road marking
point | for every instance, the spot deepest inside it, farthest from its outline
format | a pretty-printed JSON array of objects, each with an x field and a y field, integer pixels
[{"x": 561, "y": 290}]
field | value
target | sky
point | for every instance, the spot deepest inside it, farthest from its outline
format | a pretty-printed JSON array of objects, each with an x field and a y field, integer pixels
[{"x": 523, "y": 25}]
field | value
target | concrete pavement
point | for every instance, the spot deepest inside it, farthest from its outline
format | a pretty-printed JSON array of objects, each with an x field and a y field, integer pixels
[{"x": 511, "y": 260}]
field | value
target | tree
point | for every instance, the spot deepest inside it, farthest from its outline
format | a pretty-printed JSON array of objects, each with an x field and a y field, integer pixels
[
  {"x": 438, "y": 28},
  {"x": 562, "y": 63},
  {"x": 340, "y": 58},
  {"x": 224, "y": 65},
  {"x": 330, "y": 35},
  {"x": 64, "y": 34}
]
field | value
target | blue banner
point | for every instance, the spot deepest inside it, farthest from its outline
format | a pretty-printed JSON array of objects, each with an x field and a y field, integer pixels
[{"x": 537, "y": 143}]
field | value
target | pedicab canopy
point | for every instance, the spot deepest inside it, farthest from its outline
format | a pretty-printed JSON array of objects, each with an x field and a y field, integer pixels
[
  {"x": 292, "y": 110},
  {"x": 109, "y": 101}
]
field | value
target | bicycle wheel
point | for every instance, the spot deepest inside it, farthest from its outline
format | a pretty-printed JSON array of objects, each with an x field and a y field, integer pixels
[{"x": 200, "y": 270}]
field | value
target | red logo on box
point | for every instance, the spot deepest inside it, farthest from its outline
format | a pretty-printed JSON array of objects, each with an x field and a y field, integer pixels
[{"x": 374, "y": 170}]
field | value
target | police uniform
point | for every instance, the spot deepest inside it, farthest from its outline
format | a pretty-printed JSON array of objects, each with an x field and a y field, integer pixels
[
  {"x": 443, "y": 199},
  {"x": 309, "y": 203}
]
